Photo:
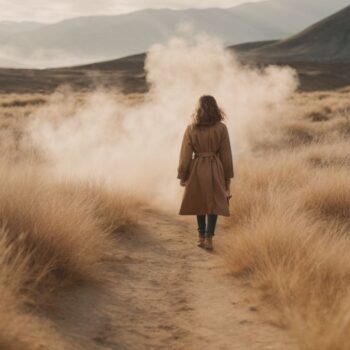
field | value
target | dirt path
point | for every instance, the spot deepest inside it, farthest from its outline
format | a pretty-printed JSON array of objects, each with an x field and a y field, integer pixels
[{"x": 165, "y": 293}]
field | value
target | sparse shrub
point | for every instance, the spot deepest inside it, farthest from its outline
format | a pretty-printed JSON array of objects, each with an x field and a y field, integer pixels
[
  {"x": 318, "y": 117},
  {"x": 23, "y": 103},
  {"x": 298, "y": 134}
]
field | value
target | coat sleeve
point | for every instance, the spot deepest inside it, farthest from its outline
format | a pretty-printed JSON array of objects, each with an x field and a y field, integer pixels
[
  {"x": 225, "y": 155},
  {"x": 185, "y": 157}
]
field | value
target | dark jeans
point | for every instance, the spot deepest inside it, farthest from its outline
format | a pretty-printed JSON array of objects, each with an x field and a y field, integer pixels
[{"x": 208, "y": 229}]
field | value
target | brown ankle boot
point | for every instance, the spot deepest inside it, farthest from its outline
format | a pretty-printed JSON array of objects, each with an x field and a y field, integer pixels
[
  {"x": 208, "y": 243},
  {"x": 201, "y": 240}
]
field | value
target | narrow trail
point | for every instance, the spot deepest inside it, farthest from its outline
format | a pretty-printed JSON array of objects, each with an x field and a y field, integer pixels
[{"x": 165, "y": 293}]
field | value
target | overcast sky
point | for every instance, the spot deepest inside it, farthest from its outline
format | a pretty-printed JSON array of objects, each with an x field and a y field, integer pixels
[{"x": 55, "y": 10}]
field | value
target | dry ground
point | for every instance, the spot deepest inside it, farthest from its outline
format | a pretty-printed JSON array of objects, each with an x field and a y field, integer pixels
[{"x": 162, "y": 292}]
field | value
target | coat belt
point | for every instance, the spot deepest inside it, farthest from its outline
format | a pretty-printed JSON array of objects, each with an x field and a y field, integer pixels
[{"x": 205, "y": 154}]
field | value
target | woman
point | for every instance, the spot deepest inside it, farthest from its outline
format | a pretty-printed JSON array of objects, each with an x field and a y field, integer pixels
[{"x": 206, "y": 169}]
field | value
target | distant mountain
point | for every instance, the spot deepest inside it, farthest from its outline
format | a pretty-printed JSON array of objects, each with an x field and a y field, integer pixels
[
  {"x": 88, "y": 39},
  {"x": 9, "y": 28},
  {"x": 326, "y": 40},
  {"x": 98, "y": 38}
]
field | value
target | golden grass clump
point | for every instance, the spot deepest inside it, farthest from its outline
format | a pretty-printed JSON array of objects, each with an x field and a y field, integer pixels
[
  {"x": 19, "y": 328},
  {"x": 66, "y": 228},
  {"x": 327, "y": 197},
  {"x": 59, "y": 228},
  {"x": 301, "y": 269}
]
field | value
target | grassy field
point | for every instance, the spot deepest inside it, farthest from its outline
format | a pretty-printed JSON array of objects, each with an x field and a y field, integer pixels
[
  {"x": 291, "y": 219},
  {"x": 289, "y": 225}
]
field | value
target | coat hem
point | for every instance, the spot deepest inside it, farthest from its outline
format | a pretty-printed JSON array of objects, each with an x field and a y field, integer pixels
[{"x": 192, "y": 214}]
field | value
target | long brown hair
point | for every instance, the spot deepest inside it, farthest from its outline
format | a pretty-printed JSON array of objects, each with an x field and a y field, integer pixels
[{"x": 208, "y": 112}]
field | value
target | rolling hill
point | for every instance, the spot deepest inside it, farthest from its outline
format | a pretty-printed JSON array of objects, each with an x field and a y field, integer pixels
[{"x": 326, "y": 40}]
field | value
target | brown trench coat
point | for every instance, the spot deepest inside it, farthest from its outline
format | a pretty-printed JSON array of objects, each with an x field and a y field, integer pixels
[{"x": 206, "y": 166}]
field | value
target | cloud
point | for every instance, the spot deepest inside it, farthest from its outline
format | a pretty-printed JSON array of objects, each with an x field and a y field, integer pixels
[{"x": 56, "y": 10}]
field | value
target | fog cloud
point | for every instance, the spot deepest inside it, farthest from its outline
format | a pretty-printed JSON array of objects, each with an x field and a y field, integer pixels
[{"x": 136, "y": 147}]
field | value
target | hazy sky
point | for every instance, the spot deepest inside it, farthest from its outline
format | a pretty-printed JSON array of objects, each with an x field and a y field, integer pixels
[{"x": 55, "y": 10}]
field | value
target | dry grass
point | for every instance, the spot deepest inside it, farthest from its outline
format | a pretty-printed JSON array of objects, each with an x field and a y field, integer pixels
[
  {"x": 313, "y": 119},
  {"x": 19, "y": 328},
  {"x": 67, "y": 228},
  {"x": 52, "y": 233},
  {"x": 290, "y": 222}
]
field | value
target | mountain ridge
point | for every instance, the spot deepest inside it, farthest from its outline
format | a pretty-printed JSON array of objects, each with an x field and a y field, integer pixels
[{"x": 87, "y": 39}]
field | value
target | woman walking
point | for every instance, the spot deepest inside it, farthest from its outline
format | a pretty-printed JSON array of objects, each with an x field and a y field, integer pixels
[{"x": 206, "y": 168}]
